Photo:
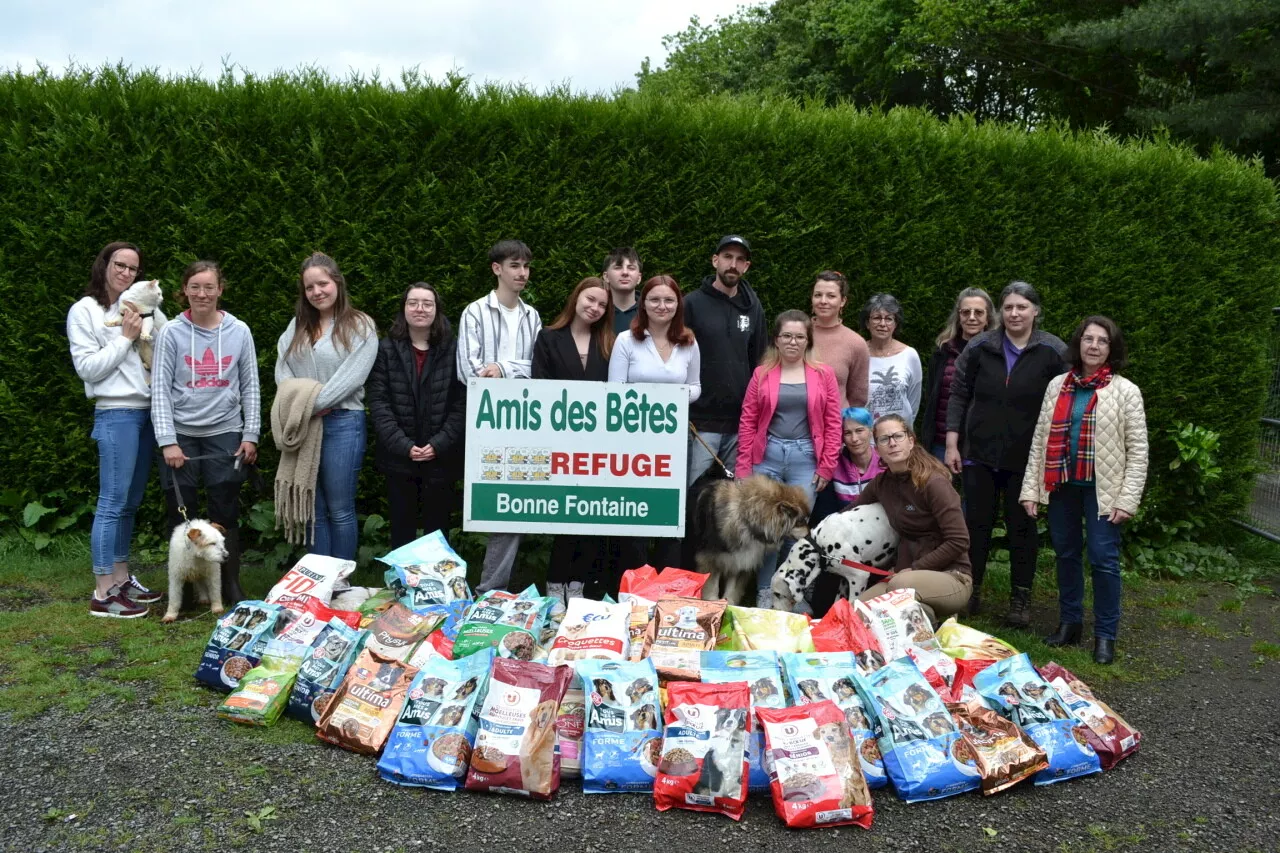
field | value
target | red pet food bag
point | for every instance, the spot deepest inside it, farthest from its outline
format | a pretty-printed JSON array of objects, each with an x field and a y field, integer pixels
[
  {"x": 843, "y": 629},
  {"x": 816, "y": 778},
  {"x": 649, "y": 584},
  {"x": 1107, "y": 732},
  {"x": 704, "y": 749}
]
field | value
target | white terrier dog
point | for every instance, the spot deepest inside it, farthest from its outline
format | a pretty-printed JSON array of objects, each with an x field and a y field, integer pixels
[{"x": 197, "y": 550}]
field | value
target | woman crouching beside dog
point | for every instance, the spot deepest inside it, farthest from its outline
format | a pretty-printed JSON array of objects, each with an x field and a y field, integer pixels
[
  {"x": 924, "y": 509},
  {"x": 206, "y": 408}
]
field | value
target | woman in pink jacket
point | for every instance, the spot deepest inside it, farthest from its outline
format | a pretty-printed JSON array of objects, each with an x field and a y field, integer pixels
[{"x": 790, "y": 428}]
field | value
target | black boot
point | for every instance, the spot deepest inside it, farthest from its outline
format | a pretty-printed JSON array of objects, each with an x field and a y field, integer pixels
[
  {"x": 1068, "y": 634},
  {"x": 231, "y": 592},
  {"x": 1104, "y": 650},
  {"x": 1019, "y": 615},
  {"x": 975, "y": 602}
]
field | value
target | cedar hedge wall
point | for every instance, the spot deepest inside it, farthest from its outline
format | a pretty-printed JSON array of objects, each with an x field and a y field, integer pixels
[{"x": 418, "y": 181}]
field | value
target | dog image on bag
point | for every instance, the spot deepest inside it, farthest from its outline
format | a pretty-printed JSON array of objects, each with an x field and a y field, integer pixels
[
  {"x": 721, "y": 774},
  {"x": 197, "y": 550}
]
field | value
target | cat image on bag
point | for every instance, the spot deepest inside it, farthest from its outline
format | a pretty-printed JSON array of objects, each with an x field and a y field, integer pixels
[
  {"x": 721, "y": 774},
  {"x": 144, "y": 297}
]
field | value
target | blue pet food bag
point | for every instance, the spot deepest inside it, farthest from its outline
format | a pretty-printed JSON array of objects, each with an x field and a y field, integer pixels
[
  {"x": 815, "y": 676},
  {"x": 622, "y": 738},
  {"x": 426, "y": 571},
  {"x": 760, "y": 670},
  {"x": 323, "y": 667},
  {"x": 238, "y": 642}
]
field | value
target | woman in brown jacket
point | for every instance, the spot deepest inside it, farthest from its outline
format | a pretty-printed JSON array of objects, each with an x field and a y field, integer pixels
[{"x": 924, "y": 509}]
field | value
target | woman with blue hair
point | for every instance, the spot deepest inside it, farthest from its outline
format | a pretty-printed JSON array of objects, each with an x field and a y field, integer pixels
[{"x": 857, "y": 465}]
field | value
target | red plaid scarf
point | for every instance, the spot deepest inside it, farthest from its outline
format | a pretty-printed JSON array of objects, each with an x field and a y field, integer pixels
[{"x": 1055, "y": 461}]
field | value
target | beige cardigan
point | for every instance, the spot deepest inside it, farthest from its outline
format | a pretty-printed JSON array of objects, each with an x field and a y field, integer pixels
[{"x": 1119, "y": 446}]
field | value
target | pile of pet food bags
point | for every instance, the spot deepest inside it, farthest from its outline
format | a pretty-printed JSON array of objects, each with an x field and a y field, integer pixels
[{"x": 695, "y": 703}]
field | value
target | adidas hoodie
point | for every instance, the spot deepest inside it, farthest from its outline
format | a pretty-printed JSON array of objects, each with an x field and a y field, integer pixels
[
  {"x": 205, "y": 381},
  {"x": 105, "y": 360}
]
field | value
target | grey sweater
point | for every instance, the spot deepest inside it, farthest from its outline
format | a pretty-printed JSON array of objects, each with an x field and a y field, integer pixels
[
  {"x": 342, "y": 372},
  {"x": 205, "y": 381}
]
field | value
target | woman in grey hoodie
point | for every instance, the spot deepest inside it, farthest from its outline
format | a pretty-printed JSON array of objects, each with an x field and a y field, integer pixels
[{"x": 205, "y": 402}]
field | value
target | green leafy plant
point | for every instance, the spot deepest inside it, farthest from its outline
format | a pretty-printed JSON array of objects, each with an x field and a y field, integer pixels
[
  {"x": 38, "y": 520},
  {"x": 256, "y": 820}
]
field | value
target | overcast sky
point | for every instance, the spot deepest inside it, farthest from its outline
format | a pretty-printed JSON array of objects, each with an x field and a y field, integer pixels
[{"x": 595, "y": 45}]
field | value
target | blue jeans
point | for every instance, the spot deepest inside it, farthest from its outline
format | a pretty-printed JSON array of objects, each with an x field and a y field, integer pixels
[
  {"x": 1070, "y": 508},
  {"x": 793, "y": 462},
  {"x": 126, "y": 446},
  {"x": 341, "y": 455},
  {"x": 725, "y": 445}
]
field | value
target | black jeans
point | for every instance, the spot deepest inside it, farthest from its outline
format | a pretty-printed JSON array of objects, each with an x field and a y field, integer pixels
[
  {"x": 577, "y": 559},
  {"x": 413, "y": 502},
  {"x": 221, "y": 487},
  {"x": 982, "y": 488}
]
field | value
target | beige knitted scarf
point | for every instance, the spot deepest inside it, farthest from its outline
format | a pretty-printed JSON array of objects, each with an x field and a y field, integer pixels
[{"x": 298, "y": 434}]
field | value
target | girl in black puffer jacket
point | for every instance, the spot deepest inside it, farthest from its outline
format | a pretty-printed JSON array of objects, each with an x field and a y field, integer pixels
[{"x": 419, "y": 415}]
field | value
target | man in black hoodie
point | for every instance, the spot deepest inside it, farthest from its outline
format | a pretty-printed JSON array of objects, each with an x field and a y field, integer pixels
[{"x": 728, "y": 321}]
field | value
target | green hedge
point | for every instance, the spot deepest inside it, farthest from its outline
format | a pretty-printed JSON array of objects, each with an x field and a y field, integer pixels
[{"x": 417, "y": 182}]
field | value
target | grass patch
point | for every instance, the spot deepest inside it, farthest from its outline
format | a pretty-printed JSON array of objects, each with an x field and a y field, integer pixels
[{"x": 1267, "y": 650}]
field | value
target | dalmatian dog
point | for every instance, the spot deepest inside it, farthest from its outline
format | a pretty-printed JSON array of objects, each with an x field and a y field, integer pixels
[{"x": 862, "y": 535}]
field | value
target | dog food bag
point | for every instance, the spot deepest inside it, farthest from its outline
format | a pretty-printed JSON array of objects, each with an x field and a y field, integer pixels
[
  {"x": 901, "y": 627},
  {"x": 993, "y": 748},
  {"x": 591, "y": 629},
  {"x": 263, "y": 693},
  {"x": 1014, "y": 688},
  {"x": 757, "y": 629},
  {"x": 961, "y": 688},
  {"x": 431, "y": 743},
  {"x": 763, "y": 674},
  {"x": 682, "y": 628},
  {"x": 1108, "y": 733},
  {"x": 427, "y": 571},
  {"x": 307, "y": 616},
  {"x": 571, "y": 723},
  {"x": 816, "y": 779},
  {"x": 373, "y": 606},
  {"x": 397, "y": 631},
  {"x": 508, "y": 623},
  {"x": 829, "y": 676},
  {"x": 961, "y": 642},
  {"x": 704, "y": 749},
  {"x": 323, "y": 667},
  {"x": 916, "y": 733},
  {"x": 237, "y": 644},
  {"x": 646, "y": 585},
  {"x": 515, "y": 750},
  {"x": 622, "y": 736},
  {"x": 314, "y": 574},
  {"x": 367, "y": 704}
]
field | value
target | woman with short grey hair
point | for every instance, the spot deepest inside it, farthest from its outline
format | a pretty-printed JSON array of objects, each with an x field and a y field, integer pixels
[{"x": 895, "y": 371}]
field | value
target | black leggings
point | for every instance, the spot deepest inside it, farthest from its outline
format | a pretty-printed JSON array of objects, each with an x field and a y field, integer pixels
[
  {"x": 577, "y": 559},
  {"x": 414, "y": 502},
  {"x": 982, "y": 487}
]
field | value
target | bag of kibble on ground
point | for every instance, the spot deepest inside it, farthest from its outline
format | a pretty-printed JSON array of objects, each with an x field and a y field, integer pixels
[
  {"x": 763, "y": 675},
  {"x": 916, "y": 733},
  {"x": 757, "y": 629},
  {"x": 397, "y": 631},
  {"x": 647, "y": 585},
  {"x": 571, "y": 722},
  {"x": 843, "y": 629},
  {"x": 816, "y": 778},
  {"x": 992, "y": 747},
  {"x": 237, "y": 644},
  {"x": 515, "y": 751},
  {"x": 374, "y": 606},
  {"x": 902, "y": 627},
  {"x": 622, "y": 740},
  {"x": 324, "y": 665},
  {"x": 306, "y": 616},
  {"x": 1108, "y": 732},
  {"x": 682, "y": 628},
  {"x": 431, "y": 743},
  {"x": 704, "y": 749},
  {"x": 829, "y": 676},
  {"x": 962, "y": 642},
  {"x": 508, "y": 623},
  {"x": 367, "y": 704},
  {"x": 426, "y": 571},
  {"x": 591, "y": 629},
  {"x": 1014, "y": 688},
  {"x": 263, "y": 693},
  {"x": 315, "y": 575}
]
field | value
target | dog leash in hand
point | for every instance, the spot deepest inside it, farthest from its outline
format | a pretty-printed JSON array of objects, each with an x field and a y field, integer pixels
[
  {"x": 727, "y": 473},
  {"x": 173, "y": 477}
]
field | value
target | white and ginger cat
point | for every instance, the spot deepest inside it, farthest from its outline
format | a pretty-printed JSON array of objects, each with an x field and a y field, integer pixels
[{"x": 144, "y": 297}]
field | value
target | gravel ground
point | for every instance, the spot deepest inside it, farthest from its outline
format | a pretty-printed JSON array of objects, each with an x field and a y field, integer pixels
[{"x": 142, "y": 778}]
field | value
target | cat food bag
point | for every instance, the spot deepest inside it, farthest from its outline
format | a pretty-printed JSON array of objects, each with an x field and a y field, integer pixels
[
  {"x": 431, "y": 743},
  {"x": 646, "y": 585},
  {"x": 515, "y": 750},
  {"x": 426, "y": 571},
  {"x": 704, "y": 749},
  {"x": 763, "y": 675},
  {"x": 571, "y": 723},
  {"x": 397, "y": 631},
  {"x": 591, "y": 629},
  {"x": 1014, "y": 688},
  {"x": 902, "y": 628},
  {"x": 962, "y": 642},
  {"x": 315, "y": 575},
  {"x": 306, "y": 617},
  {"x": 510, "y": 624},
  {"x": 816, "y": 779},
  {"x": 916, "y": 733},
  {"x": 237, "y": 643},
  {"x": 263, "y": 693},
  {"x": 993, "y": 748},
  {"x": 757, "y": 629},
  {"x": 1108, "y": 732},
  {"x": 622, "y": 738},
  {"x": 682, "y": 628},
  {"x": 367, "y": 704},
  {"x": 829, "y": 676},
  {"x": 323, "y": 667}
]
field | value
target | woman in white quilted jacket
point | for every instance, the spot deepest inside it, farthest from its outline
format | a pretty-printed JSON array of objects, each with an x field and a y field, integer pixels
[{"x": 1088, "y": 462}]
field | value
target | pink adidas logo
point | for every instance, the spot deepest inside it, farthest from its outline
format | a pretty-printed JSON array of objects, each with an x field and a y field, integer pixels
[{"x": 207, "y": 369}]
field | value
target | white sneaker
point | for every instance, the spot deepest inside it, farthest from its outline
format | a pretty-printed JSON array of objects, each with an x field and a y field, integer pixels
[
  {"x": 556, "y": 590},
  {"x": 575, "y": 590}
]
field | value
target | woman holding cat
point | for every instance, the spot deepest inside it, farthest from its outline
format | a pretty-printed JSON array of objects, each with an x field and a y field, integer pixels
[
  {"x": 333, "y": 344},
  {"x": 205, "y": 402},
  {"x": 107, "y": 360}
]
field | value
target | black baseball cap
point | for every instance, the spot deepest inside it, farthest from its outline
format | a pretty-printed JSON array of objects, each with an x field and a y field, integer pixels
[{"x": 731, "y": 239}]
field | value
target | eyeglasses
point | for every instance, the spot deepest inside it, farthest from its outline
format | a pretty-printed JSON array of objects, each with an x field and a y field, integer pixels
[
  {"x": 205, "y": 289},
  {"x": 416, "y": 304},
  {"x": 973, "y": 312},
  {"x": 896, "y": 438},
  {"x": 1090, "y": 339},
  {"x": 659, "y": 301},
  {"x": 121, "y": 266},
  {"x": 882, "y": 318},
  {"x": 789, "y": 338}
]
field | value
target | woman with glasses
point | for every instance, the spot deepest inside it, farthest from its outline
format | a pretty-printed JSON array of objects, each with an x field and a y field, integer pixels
[
  {"x": 973, "y": 314},
  {"x": 895, "y": 372},
  {"x": 107, "y": 361},
  {"x": 207, "y": 409},
  {"x": 790, "y": 429},
  {"x": 1088, "y": 462},
  {"x": 924, "y": 509}
]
